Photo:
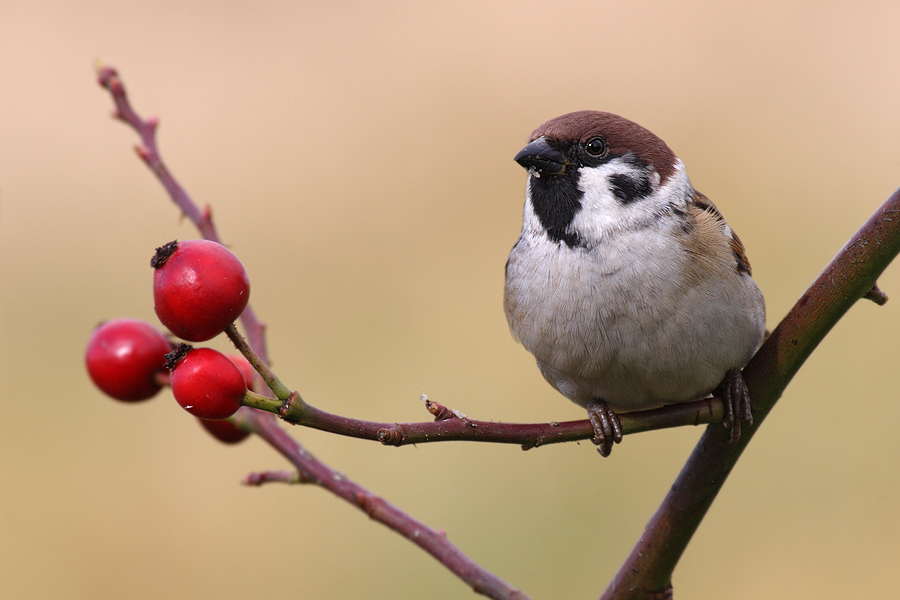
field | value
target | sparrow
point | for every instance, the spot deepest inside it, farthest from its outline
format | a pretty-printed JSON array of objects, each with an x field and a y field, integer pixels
[{"x": 626, "y": 284}]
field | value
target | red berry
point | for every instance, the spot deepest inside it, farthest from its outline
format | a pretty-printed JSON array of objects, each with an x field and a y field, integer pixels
[
  {"x": 224, "y": 431},
  {"x": 199, "y": 288},
  {"x": 205, "y": 382},
  {"x": 244, "y": 366},
  {"x": 124, "y": 356}
]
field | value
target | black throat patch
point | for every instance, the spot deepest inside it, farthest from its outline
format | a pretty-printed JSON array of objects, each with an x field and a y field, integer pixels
[{"x": 556, "y": 200}]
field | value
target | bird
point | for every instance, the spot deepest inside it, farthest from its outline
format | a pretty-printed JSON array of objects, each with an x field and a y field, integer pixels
[{"x": 626, "y": 284}]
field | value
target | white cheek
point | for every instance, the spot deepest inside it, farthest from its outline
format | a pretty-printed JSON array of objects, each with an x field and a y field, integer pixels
[
  {"x": 603, "y": 214},
  {"x": 600, "y": 211}
]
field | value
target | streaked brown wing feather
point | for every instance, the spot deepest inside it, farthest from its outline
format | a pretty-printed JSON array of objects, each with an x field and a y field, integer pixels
[{"x": 737, "y": 247}]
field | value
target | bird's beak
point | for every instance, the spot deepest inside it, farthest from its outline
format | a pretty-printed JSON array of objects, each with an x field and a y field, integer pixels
[{"x": 539, "y": 156}]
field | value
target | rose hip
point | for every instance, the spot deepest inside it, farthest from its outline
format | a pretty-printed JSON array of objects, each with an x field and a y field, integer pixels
[
  {"x": 244, "y": 367},
  {"x": 224, "y": 431},
  {"x": 124, "y": 356},
  {"x": 205, "y": 382},
  {"x": 199, "y": 288}
]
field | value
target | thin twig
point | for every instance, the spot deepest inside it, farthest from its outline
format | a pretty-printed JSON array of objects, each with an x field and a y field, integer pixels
[
  {"x": 148, "y": 151},
  {"x": 431, "y": 540},
  {"x": 274, "y": 384},
  {"x": 527, "y": 435},
  {"x": 289, "y": 477}
]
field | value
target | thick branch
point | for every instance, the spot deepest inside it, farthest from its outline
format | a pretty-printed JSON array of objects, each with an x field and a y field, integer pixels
[{"x": 850, "y": 276}]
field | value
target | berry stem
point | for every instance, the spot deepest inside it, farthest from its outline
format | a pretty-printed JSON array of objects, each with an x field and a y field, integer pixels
[
  {"x": 281, "y": 391},
  {"x": 260, "y": 402}
]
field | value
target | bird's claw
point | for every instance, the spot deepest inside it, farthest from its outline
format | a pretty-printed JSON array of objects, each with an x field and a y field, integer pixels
[
  {"x": 606, "y": 424},
  {"x": 734, "y": 394}
]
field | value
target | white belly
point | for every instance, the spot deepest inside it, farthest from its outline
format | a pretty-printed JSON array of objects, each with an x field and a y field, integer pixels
[{"x": 636, "y": 332}]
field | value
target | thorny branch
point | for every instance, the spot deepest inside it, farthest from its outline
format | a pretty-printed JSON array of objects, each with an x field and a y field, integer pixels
[
  {"x": 148, "y": 152},
  {"x": 265, "y": 425}
]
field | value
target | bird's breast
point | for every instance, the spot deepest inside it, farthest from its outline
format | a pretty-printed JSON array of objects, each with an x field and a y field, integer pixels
[{"x": 625, "y": 321}]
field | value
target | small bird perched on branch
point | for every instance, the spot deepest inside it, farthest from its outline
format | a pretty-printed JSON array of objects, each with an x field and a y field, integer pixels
[{"x": 626, "y": 284}]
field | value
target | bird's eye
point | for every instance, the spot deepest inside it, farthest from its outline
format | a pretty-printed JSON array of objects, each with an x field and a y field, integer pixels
[{"x": 595, "y": 146}]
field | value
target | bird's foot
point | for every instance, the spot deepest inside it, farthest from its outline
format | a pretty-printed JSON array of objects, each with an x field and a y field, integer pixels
[
  {"x": 734, "y": 394},
  {"x": 606, "y": 424}
]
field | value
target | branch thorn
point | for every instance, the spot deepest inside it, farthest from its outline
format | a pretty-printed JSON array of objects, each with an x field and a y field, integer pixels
[
  {"x": 876, "y": 295},
  {"x": 143, "y": 153}
]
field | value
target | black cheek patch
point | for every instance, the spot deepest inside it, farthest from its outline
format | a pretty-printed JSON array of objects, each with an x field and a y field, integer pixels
[{"x": 628, "y": 188}]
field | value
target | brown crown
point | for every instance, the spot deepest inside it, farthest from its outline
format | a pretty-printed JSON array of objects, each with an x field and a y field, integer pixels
[{"x": 622, "y": 136}]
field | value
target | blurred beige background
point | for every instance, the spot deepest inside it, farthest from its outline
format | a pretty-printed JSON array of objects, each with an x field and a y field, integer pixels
[{"x": 358, "y": 157}]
